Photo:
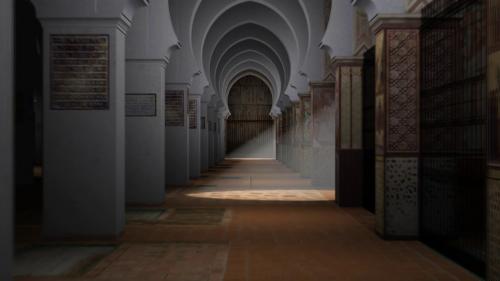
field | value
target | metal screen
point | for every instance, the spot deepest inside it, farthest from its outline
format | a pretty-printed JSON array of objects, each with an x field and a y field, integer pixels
[{"x": 454, "y": 130}]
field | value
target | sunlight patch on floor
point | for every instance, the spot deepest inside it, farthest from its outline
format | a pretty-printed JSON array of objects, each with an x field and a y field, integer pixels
[{"x": 297, "y": 195}]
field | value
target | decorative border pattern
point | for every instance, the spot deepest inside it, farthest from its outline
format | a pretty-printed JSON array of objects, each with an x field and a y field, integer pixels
[{"x": 403, "y": 90}]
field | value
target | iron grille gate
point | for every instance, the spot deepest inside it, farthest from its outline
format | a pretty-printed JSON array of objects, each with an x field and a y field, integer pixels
[
  {"x": 453, "y": 130},
  {"x": 369, "y": 130}
]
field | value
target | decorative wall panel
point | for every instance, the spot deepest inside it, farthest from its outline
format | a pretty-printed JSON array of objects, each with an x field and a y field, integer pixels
[
  {"x": 396, "y": 126},
  {"x": 193, "y": 114},
  {"x": 174, "y": 109},
  {"x": 401, "y": 199},
  {"x": 79, "y": 72},
  {"x": 402, "y": 95},
  {"x": 140, "y": 105}
]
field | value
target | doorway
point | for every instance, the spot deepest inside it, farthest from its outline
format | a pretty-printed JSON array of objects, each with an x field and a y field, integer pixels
[{"x": 250, "y": 129}]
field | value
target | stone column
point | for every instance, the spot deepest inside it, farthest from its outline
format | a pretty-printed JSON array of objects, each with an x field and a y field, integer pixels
[
  {"x": 195, "y": 135},
  {"x": 7, "y": 139},
  {"x": 149, "y": 42},
  {"x": 277, "y": 122},
  {"x": 222, "y": 134},
  {"x": 145, "y": 132},
  {"x": 307, "y": 155},
  {"x": 297, "y": 137},
  {"x": 211, "y": 135},
  {"x": 396, "y": 126},
  {"x": 204, "y": 134},
  {"x": 177, "y": 134},
  {"x": 286, "y": 132},
  {"x": 493, "y": 193},
  {"x": 323, "y": 128},
  {"x": 84, "y": 116},
  {"x": 289, "y": 134},
  {"x": 348, "y": 123}
]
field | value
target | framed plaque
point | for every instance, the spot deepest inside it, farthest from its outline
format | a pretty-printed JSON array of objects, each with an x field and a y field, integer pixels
[
  {"x": 174, "y": 109},
  {"x": 79, "y": 72},
  {"x": 193, "y": 114},
  {"x": 140, "y": 105}
]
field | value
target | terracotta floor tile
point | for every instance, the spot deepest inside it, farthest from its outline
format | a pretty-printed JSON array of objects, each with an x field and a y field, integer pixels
[{"x": 280, "y": 228}]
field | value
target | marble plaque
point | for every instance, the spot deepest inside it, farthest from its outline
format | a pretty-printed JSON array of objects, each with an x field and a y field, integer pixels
[
  {"x": 193, "y": 114},
  {"x": 79, "y": 72},
  {"x": 140, "y": 105},
  {"x": 174, "y": 108}
]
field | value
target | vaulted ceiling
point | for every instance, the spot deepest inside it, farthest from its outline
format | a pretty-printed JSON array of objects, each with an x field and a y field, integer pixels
[{"x": 224, "y": 40}]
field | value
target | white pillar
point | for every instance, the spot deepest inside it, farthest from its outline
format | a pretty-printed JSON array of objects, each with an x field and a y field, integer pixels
[
  {"x": 177, "y": 134},
  {"x": 204, "y": 134},
  {"x": 195, "y": 135},
  {"x": 84, "y": 115},
  {"x": 211, "y": 135},
  {"x": 145, "y": 132},
  {"x": 6, "y": 141},
  {"x": 149, "y": 43}
]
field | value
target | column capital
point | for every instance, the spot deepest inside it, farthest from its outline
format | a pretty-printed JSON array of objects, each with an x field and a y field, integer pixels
[
  {"x": 346, "y": 61},
  {"x": 321, "y": 84},
  {"x": 395, "y": 21},
  {"x": 196, "y": 95},
  {"x": 304, "y": 95}
]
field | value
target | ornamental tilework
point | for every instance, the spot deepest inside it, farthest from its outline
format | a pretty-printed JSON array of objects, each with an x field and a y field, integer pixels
[
  {"x": 402, "y": 93},
  {"x": 401, "y": 196}
]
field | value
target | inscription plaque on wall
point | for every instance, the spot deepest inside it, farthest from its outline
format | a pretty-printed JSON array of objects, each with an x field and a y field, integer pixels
[
  {"x": 174, "y": 108},
  {"x": 203, "y": 123},
  {"x": 193, "y": 115},
  {"x": 79, "y": 72},
  {"x": 140, "y": 105}
]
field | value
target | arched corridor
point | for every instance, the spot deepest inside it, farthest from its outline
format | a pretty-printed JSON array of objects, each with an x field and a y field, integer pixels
[{"x": 211, "y": 140}]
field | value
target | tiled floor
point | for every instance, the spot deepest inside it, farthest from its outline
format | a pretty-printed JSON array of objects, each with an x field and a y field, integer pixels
[{"x": 275, "y": 226}]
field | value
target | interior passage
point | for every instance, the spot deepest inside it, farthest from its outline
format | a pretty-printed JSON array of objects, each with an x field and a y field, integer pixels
[
  {"x": 245, "y": 220},
  {"x": 250, "y": 129}
]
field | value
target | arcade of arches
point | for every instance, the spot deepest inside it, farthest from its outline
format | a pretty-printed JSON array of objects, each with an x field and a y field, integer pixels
[{"x": 249, "y": 140}]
